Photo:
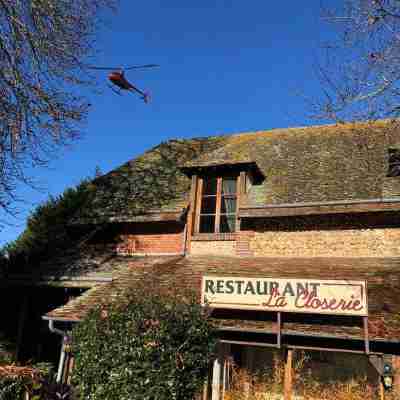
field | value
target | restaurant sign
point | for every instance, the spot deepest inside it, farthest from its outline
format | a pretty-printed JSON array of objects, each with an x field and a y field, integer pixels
[{"x": 336, "y": 297}]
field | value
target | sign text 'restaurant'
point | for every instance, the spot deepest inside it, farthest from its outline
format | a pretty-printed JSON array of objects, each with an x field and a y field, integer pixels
[{"x": 337, "y": 297}]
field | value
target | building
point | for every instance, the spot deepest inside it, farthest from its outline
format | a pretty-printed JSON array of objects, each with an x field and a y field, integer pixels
[{"x": 318, "y": 203}]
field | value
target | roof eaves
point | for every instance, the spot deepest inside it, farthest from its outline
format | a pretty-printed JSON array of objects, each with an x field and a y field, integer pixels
[
  {"x": 201, "y": 167},
  {"x": 328, "y": 207}
]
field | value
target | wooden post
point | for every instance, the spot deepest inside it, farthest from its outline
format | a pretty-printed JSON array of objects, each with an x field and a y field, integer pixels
[
  {"x": 216, "y": 376},
  {"x": 288, "y": 383},
  {"x": 191, "y": 215},
  {"x": 197, "y": 207},
  {"x": 381, "y": 389},
  {"x": 70, "y": 368},
  {"x": 218, "y": 208},
  {"x": 205, "y": 390},
  {"x": 226, "y": 348},
  {"x": 396, "y": 375},
  {"x": 250, "y": 369}
]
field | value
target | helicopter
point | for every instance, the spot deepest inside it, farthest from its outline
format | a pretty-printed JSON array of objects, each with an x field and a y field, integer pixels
[{"x": 117, "y": 78}]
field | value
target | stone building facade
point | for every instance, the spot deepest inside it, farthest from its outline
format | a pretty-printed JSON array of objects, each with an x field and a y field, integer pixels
[{"x": 319, "y": 202}]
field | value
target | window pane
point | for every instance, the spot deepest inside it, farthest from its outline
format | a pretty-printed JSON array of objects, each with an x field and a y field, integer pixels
[
  {"x": 207, "y": 224},
  {"x": 208, "y": 205},
  {"x": 209, "y": 186},
  {"x": 394, "y": 163},
  {"x": 227, "y": 223},
  {"x": 229, "y": 186},
  {"x": 228, "y": 205}
]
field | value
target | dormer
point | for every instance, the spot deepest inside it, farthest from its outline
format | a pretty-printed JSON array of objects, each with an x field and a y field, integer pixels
[{"x": 217, "y": 191}]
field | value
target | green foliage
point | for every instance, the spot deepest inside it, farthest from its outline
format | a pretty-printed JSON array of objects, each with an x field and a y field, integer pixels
[
  {"x": 154, "y": 346},
  {"x": 47, "y": 231},
  {"x": 15, "y": 387},
  {"x": 12, "y": 389},
  {"x": 7, "y": 350}
]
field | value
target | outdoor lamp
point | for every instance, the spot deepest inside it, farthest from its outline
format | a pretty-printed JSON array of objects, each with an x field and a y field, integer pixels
[{"x": 387, "y": 376}]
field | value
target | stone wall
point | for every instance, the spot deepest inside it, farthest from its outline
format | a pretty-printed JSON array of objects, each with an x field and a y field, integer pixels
[
  {"x": 358, "y": 235},
  {"x": 213, "y": 247}
]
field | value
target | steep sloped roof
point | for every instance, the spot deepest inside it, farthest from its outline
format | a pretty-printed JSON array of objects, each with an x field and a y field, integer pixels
[
  {"x": 308, "y": 164},
  {"x": 147, "y": 185},
  {"x": 312, "y": 164},
  {"x": 382, "y": 275}
]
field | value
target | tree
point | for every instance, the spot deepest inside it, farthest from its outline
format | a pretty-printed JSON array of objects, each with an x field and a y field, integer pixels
[
  {"x": 44, "y": 48},
  {"x": 47, "y": 231},
  {"x": 153, "y": 346},
  {"x": 361, "y": 73}
]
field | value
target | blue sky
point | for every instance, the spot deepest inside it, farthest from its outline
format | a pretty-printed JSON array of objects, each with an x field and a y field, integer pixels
[{"x": 226, "y": 66}]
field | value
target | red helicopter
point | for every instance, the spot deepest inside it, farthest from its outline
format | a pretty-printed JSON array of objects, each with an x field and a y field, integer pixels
[{"x": 117, "y": 78}]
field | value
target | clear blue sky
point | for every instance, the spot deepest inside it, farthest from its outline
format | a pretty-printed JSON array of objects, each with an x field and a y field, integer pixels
[{"x": 226, "y": 66}]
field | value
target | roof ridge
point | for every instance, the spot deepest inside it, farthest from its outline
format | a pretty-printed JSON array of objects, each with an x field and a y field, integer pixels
[{"x": 313, "y": 127}]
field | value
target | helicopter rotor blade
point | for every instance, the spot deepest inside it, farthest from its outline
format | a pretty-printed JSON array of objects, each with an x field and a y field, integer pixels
[
  {"x": 104, "y": 68},
  {"x": 142, "y": 66},
  {"x": 121, "y": 68}
]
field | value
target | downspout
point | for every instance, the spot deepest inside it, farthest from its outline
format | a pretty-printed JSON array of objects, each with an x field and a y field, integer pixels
[
  {"x": 185, "y": 239},
  {"x": 63, "y": 334}
]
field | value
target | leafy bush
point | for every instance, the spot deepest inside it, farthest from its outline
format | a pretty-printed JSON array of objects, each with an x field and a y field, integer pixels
[
  {"x": 38, "y": 382},
  {"x": 154, "y": 346},
  {"x": 12, "y": 388},
  {"x": 15, "y": 381}
]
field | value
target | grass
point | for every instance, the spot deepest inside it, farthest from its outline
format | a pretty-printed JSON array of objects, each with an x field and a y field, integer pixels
[{"x": 267, "y": 384}]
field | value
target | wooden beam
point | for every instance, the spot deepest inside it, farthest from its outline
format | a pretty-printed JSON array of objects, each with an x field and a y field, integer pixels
[
  {"x": 316, "y": 209},
  {"x": 219, "y": 202},
  {"x": 198, "y": 204},
  {"x": 240, "y": 194},
  {"x": 288, "y": 382},
  {"x": 191, "y": 214}
]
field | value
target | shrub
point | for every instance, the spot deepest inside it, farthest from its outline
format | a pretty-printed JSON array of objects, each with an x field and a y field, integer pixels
[
  {"x": 12, "y": 388},
  {"x": 154, "y": 346},
  {"x": 15, "y": 381}
]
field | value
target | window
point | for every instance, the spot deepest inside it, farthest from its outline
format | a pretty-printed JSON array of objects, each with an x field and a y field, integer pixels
[
  {"x": 218, "y": 204},
  {"x": 394, "y": 163}
]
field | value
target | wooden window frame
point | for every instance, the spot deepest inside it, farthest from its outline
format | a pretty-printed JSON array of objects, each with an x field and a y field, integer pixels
[{"x": 218, "y": 195}]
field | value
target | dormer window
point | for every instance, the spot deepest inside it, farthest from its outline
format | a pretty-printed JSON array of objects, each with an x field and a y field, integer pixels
[
  {"x": 217, "y": 209},
  {"x": 394, "y": 163}
]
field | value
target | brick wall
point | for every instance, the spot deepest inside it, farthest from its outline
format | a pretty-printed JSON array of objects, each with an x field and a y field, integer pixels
[
  {"x": 151, "y": 238},
  {"x": 358, "y": 235}
]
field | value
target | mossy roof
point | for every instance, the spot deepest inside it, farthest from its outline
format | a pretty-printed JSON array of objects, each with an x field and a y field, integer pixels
[
  {"x": 382, "y": 276},
  {"x": 149, "y": 184},
  {"x": 307, "y": 164}
]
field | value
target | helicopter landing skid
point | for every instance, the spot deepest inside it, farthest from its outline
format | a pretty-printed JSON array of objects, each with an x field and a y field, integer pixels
[{"x": 115, "y": 90}]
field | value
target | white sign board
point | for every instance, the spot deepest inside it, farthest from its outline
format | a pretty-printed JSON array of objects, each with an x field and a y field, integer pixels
[{"x": 336, "y": 297}]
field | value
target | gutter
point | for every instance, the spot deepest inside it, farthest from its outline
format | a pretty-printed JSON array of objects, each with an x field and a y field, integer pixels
[{"x": 64, "y": 335}]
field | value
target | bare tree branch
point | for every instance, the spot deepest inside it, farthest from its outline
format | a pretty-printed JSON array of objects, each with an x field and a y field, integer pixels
[
  {"x": 361, "y": 74},
  {"x": 44, "y": 47}
]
